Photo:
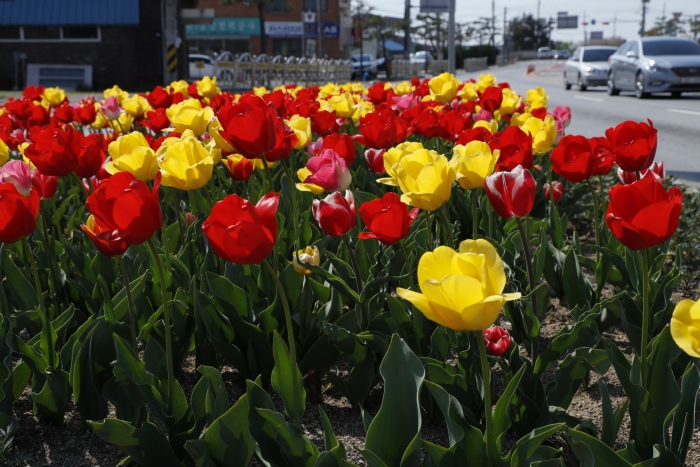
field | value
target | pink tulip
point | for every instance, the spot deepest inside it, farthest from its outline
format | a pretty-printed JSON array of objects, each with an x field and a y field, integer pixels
[
  {"x": 314, "y": 148},
  {"x": 329, "y": 171},
  {"x": 562, "y": 114},
  {"x": 405, "y": 102},
  {"x": 483, "y": 114},
  {"x": 19, "y": 174},
  {"x": 110, "y": 108}
]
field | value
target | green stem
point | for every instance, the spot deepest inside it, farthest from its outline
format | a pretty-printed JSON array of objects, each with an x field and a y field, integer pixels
[
  {"x": 358, "y": 277},
  {"x": 430, "y": 233},
  {"x": 164, "y": 233},
  {"x": 491, "y": 454},
  {"x": 39, "y": 293},
  {"x": 447, "y": 232},
  {"x": 550, "y": 180},
  {"x": 408, "y": 264},
  {"x": 290, "y": 332},
  {"x": 596, "y": 218},
  {"x": 129, "y": 301},
  {"x": 180, "y": 225},
  {"x": 645, "y": 315},
  {"x": 268, "y": 173},
  {"x": 77, "y": 179},
  {"x": 475, "y": 214},
  {"x": 534, "y": 352},
  {"x": 295, "y": 222},
  {"x": 47, "y": 248},
  {"x": 166, "y": 322}
]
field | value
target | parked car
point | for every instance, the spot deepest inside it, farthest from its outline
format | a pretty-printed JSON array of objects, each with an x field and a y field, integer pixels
[
  {"x": 362, "y": 64},
  {"x": 655, "y": 64},
  {"x": 588, "y": 66},
  {"x": 560, "y": 54},
  {"x": 201, "y": 66},
  {"x": 544, "y": 52}
]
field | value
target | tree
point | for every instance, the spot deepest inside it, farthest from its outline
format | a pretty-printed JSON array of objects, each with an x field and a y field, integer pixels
[
  {"x": 694, "y": 26},
  {"x": 526, "y": 33},
  {"x": 569, "y": 46},
  {"x": 432, "y": 29},
  {"x": 665, "y": 27}
]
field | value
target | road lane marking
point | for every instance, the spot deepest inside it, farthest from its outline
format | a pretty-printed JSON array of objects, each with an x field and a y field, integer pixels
[
  {"x": 683, "y": 111},
  {"x": 586, "y": 98}
]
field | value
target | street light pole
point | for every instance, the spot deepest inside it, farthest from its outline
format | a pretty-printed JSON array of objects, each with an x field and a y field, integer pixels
[{"x": 451, "y": 38}]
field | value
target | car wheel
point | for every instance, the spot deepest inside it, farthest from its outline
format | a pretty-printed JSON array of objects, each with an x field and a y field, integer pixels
[
  {"x": 567, "y": 85},
  {"x": 581, "y": 87},
  {"x": 612, "y": 90},
  {"x": 639, "y": 86}
]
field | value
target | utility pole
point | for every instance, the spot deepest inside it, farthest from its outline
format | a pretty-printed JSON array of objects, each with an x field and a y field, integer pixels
[
  {"x": 493, "y": 23},
  {"x": 407, "y": 29},
  {"x": 319, "y": 18},
  {"x": 614, "y": 23},
  {"x": 451, "y": 37},
  {"x": 505, "y": 37},
  {"x": 537, "y": 30},
  {"x": 585, "y": 36},
  {"x": 644, "y": 16}
]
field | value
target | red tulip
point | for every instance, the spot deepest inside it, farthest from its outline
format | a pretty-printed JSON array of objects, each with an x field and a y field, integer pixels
[
  {"x": 95, "y": 230},
  {"x": 642, "y": 214},
  {"x": 478, "y": 134},
  {"x": 496, "y": 339},
  {"x": 387, "y": 219},
  {"x": 604, "y": 158},
  {"x": 515, "y": 146},
  {"x": 634, "y": 144},
  {"x": 540, "y": 112},
  {"x": 159, "y": 98},
  {"x": 55, "y": 151},
  {"x": 190, "y": 218},
  {"x": 91, "y": 155},
  {"x": 341, "y": 144},
  {"x": 573, "y": 159},
  {"x": 33, "y": 92},
  {"x": 286, "y": 139},
  {"x": 239, "y": 167},
  {"x": 85, "y": 114},
  {"x": 39, "y": 116},
  {"x": 381, "y": 130},
  {"x": 64, "y": 113},
  {"x": 157, "y": 120},
  {"x": 126, "y": 208},
  {"x": 240, "y": 232},
  {"x": 325, "y": 122},
  {"x": 511, "y": 194},
  {"x": 455, "y": 122},
  {"x": 44, "y": 185},
  {"x": 375, "y": 160},
  {"x": 491, "y": 98},
  {"x": 335, "y": 214},
  {"x": 249, "y": 126},
  {"x": 18, "y": 213},
  {"x": 558, "y": 191},
  {"x": 656, "y": 171}
]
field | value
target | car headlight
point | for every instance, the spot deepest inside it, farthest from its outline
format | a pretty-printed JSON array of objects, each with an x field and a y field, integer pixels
[{"x": 654, "y": 68}]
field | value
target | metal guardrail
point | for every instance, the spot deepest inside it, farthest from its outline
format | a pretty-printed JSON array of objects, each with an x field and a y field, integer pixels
[
  {"x": 473, "y": 64},
  {"x": 247, "y": 71},
  {"x": 406, "y": 69}
]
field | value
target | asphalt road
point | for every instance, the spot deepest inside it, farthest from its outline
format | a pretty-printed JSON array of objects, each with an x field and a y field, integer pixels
[{"x": 593, "y": 111}]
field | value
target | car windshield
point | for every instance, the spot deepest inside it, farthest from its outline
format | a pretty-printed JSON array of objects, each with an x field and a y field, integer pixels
[
  {"x": 597, "y": 55},
  {"x": 365, "y": 58},
  {"x": 670, "y": 47}
]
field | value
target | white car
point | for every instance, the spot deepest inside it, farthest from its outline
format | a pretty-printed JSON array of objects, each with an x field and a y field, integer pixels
[
  {"x": 544, "y": 52},
  {"x": 588, "y": 66},
  {"x": 201, "y": 65},
  {"x": 367, "y": 63}
]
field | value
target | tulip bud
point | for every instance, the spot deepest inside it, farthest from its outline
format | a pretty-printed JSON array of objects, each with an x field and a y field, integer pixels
[
  {"x": 190, "y": 218},
  {"x": 18, "y": 213},
  {"x": 19, "y": 174},
  {"x": 110, "y": 108},
  {"x": 329, "y": 171},
  {"x": 496, "y": 339},
  {"x": 308, "y": 255},
  {"x": 558, "y": 191},
  {"x": 511, "y": 194},
  {"x": 335, "y": 214},
  {"x": 375, "y": 160}
]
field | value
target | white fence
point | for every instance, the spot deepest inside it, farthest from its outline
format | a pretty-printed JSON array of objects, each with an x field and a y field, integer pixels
[{"x": 248, "y": 71}]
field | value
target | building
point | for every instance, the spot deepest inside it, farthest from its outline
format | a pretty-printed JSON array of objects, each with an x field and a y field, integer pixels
[
  {"x": 237, "y": 28},
  {"x": 90, "y": 44}
]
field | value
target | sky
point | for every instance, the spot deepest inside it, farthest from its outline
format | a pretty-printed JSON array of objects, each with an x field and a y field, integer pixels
[{"x": 628, "y": 12}]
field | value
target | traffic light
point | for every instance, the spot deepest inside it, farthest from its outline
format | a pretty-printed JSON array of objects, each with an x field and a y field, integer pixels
[{"x": 605, "y": 23}]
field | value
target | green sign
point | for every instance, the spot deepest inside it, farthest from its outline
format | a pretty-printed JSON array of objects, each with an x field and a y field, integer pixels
[{"x": 225, "y": 27}]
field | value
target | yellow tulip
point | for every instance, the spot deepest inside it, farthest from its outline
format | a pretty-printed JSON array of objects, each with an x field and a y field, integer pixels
[
  {"x": 179, "y": 86},
  {"x": 327, "y": 89},
  {"x": 302, "y": 174},
  {"x": 685, "y": 326},
  {"x": 492, "y": 125},
  {"x": 4, "y": 152},
  {"x": 214, "y": 131},
  {"x": 258, "y": 164},
  {"x": 308, "y": 255},
  {"x": 536, "y": 97},
  {"x": 484, "y": 81},
  {"x": 206, "y": 87},
  {"x": 53, "y": 96},
  {"x": 510, "y": 102},
  {"x": 461, "y": 290},
  {"x": 443, "y": 87},
  {"x": 185, "y": 163},
  {"x": 135, "y": 105},
  {"x": 355, "y": 87},
  {"x": 425, "y": 179},
  {"x": 543, "y": 132},
  {"x": 473, "y": 163},
  {"x": 519, "y": 119},
  {"x": 131, "y": 153},
  {"x": 469, "y": 92},
  {"x": 343, "y": 104},
  {"x": 214, "y": 150},
  {"x": 189, "y": 115},
  {"x": 302, "y": 128},
  {"x": 117, "y": 92},
  {"x": 392, "y": 157},
  {"x": 123, "y": 123},
  {"x": 21, "y": 147},
  {"x": 361, "y": 109},
  {"x": 404, "y": 87}
]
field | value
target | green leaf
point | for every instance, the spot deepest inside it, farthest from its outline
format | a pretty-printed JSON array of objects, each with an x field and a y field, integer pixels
[
  {"x": 24, "y": 294},
  {"x": 398, "y": 421},
  {"x": 329, "y": 439},
  {"x": 612, "y": 420},
  {"x": 592, "y": 452},
  {"x": 145, "y": 445},
  {"x": 294, "y": 447},
  {"x": 284, "y": 374},
  {"x": 6, "y": 373},
  {"x": 52, "y": 400},
  {"x": 501, "y": 421},
  {"x": 684, "y": 413},
  {"x": 526, "y": 446},
  {"x": 577, "y": 289}
]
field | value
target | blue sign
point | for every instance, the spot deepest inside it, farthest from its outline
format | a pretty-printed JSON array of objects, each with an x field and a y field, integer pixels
[
  {"x": 331, "y": 30},
  {"x": 225, "y": 27},
  {"x": 293, "y": 29}
]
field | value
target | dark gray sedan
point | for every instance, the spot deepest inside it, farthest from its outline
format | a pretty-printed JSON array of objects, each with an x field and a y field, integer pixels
[
  {"x": 655, "y": 64},
  {"x": 588, "y": 66}
]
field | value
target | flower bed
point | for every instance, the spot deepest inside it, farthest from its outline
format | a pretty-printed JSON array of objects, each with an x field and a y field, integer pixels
[{"x": 189, "y": 271}]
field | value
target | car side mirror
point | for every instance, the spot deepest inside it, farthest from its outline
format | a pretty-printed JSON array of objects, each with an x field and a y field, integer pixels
[{"x": 631, "y": 54}]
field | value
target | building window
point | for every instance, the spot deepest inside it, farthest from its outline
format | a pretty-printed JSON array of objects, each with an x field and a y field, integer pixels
[
  {"x": 50, "y": 34},
  {"x": 310, "y": 5},
  {"x": 286, "y": 47},
  {"x": 277, "y": 6}
]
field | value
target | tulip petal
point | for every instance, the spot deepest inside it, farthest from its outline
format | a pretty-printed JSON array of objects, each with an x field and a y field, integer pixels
[
  {"x": 685, "y": 327},
  {"x": 421, "y": 302}
]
